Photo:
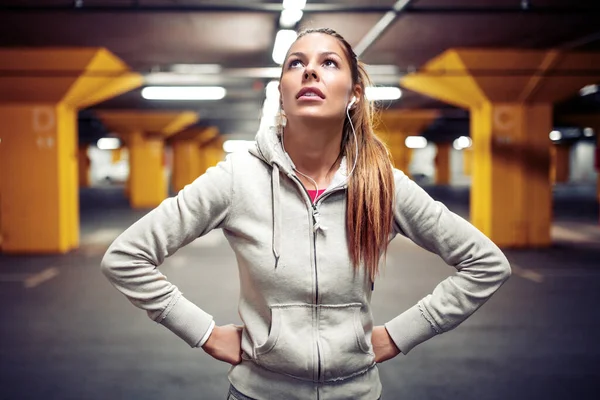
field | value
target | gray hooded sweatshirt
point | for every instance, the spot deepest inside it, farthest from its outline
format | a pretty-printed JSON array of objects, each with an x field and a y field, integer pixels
[{"x": 306, "y": 311}]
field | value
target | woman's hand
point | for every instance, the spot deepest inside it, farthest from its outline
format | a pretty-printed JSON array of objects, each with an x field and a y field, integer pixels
[
  {"x": 383, "y": 345},
  {"x": 225, "y": 344}
]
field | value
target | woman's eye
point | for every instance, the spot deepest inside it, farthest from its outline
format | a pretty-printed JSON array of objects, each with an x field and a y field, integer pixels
[
  {"x": 330, "y": 63},
  {"x": 294, "y": 63}
]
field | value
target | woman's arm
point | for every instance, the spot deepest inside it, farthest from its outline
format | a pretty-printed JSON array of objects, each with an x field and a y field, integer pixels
[
  {"x": 481, "y": 267},
  {"x": 131, "y": 262}
]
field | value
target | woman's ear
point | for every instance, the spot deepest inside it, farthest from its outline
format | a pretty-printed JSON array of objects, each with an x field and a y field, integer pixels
[{"x": 357, "y": 93}]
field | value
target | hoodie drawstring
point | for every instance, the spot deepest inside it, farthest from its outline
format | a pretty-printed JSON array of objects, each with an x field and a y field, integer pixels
[{"x": 276, "y": 214}]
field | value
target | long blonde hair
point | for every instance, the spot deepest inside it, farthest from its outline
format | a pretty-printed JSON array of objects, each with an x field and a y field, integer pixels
[{"x": 369, "y": 208}]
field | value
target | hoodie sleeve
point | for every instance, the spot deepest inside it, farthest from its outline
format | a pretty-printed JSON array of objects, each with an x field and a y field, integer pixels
[
  {"x": 481, "y": 267},
  {"x": 131, "y": 262}
]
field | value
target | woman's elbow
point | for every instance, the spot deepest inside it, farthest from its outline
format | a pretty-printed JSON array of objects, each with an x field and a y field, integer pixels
[
  {"x": 108, "y": 265},
  {"x": 505, "y": 270}
]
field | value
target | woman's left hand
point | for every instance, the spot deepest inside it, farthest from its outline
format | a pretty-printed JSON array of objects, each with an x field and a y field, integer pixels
[{"x": 383, "y": 345}]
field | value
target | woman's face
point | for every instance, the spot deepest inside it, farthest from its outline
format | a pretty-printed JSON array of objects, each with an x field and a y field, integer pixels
[{"x": 316, "y": 81}]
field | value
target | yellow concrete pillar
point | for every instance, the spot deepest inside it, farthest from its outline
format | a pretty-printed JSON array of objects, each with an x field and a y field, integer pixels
[
  {"x": 116, "y": 155},
  {"x": 395, "y": 126},
  {"x": 442, "y": 164},
  {"x": 39, "y": 208},
  {"x": 510, "y": 95},
  {"x": 186, "y": 163},
  {"x": 511, "y": 192},
  {"x": 560, "y": 158},
  {"x": 83, "y": 161},
  {"x": 39, "y": 179},
  {"x": 147, "y": 181},
  {"x": 212, "y": 153},
  {"x": 145, "y": 132},
  {"x": 467, "y": 161},
  {"x": 401, "y": 155}
]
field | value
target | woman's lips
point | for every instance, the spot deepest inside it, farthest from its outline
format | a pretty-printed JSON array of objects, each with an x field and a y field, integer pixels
[{"x": 310, "y": 93}]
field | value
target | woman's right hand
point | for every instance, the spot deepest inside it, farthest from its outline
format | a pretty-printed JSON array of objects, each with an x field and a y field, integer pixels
[{"x": 225, "y": 344}]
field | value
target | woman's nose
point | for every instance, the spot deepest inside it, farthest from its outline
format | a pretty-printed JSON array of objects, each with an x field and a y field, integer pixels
[{"x": 309, "y": 73}]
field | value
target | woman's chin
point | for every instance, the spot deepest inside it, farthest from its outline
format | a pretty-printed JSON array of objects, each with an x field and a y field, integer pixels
[{"x": 314, "y": 114}]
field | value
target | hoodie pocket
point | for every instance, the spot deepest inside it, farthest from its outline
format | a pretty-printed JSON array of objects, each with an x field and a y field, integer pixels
[
  {"x": 289, "y": 347},
  {"x": 345, "y": 349}
]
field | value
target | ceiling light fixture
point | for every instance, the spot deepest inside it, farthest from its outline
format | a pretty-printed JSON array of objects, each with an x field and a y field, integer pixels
[
  {"x": 587, "y": 90},
  {"x": 377, "y": 93},
  {"x": 196, "y": 68},
  {"x": 289, "y": 18},
  {"x": 108, "y": 143},
  {"x": 283, "y": 41},
  {"x": 462, "y": 142},
  {"x": 415, "y": 142},
  {"x": 183, "y": 93},
  {"x": 555, "y": 135}
]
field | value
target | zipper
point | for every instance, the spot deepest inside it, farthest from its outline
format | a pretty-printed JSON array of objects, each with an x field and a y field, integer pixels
[
  {"x": 314, "y": 235},
  {"x": 315, "y": 217}
]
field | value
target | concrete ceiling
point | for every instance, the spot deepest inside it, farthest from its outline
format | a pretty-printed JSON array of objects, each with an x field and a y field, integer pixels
[{"x": 152, "y": 35}]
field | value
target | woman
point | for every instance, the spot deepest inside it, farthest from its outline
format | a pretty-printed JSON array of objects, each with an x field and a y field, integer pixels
[{"x": 309, "y": 213}]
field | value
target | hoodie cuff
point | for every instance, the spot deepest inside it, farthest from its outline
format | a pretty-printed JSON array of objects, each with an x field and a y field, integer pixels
[
  {"x": 187, "y": 321},
  {"x": 410, "y": 329}
]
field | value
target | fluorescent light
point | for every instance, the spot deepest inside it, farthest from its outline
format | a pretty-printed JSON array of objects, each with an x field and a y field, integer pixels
[
  {"x": 376, "y": 93},
  {"x": 294, "y": 4},
  {"x": 290, "y": 17},
  {"x": 183, "y": 93},
  {"x": 196, "y": 68},
  {"x": 588, "y": 132},
  {"x": 555, "y": 135},
  {"x": 170, "y": 78},
  {"x": 415, "y": 142},
  {"x": 230, "y": 146},
  {"x": 382, "y": 70},
  {"x": 462, "y": 142},
  {"x": 108, "y": 143},
  {"x": 589, "y": 89},
  {"x": 283, "y": 41}
]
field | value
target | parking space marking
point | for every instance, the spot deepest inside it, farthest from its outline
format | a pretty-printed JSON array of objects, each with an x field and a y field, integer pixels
[
  {"x": 527, "y": 273},
  {"x": 40, "y": 277},
  {"x": 31, "y": 280}
]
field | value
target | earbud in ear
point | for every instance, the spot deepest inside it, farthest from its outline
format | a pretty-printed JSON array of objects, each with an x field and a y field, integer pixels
[{"x": 352, "y": 102}]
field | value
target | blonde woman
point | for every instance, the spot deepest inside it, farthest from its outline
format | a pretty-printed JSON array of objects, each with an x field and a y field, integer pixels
[{"x": 309, "y": 213}]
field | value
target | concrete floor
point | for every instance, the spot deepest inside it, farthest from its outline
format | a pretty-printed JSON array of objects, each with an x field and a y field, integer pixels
[{"x": 70, "y": 335}]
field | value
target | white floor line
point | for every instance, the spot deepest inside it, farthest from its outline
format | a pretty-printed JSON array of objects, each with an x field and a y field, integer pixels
[
  {"x": 41, "y": 277},
  {"x": 571, "y": 273},
  {"x": 527, "y": 273},
  {"x": 31, "y": 280}
]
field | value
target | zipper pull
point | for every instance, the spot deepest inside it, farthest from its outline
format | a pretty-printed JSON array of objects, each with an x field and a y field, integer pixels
[{"x": 317, "y": 219}]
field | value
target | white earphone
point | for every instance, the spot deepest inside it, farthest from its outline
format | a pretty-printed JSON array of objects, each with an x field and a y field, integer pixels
[{"x": 352, "y": 102}]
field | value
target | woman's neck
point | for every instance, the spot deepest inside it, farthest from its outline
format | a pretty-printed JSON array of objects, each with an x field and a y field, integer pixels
[{"x": 314, "y": 149}]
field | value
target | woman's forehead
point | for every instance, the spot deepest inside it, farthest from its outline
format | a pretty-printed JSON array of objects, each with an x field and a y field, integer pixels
[{"x": 317, "y": 43}]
